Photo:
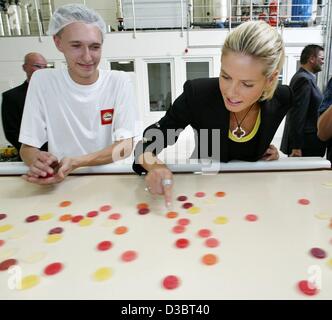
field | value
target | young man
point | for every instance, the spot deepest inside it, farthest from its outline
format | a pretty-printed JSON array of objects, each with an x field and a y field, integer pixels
[
  {"x": 13, "y": 100},
  {"x": 300, "y": 133},
  {"x": 87, "y": 115}
]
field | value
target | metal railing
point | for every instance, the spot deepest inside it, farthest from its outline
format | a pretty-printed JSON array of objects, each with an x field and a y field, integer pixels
[
  {"x": 31, "y": 17},
  {"x": 220, "y": 16},
  {"x": 274, "y": 13}
]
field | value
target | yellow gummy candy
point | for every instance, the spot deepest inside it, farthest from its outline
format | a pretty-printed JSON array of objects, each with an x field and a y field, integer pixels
[
  {"x": 221, "y": 220},
  {"x": 194, "y": 210},
  {"x": 6, "y": 227},
  {"x": 46, "y": 216},
  {"x": 29, "y": 282},
  {"x": 85, "y": 222},
  {"x": 53, "y": 238},
  {"x": 102, "y": 274}
]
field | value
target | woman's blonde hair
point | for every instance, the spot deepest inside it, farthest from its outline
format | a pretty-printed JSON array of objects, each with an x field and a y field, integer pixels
[{"x": 261, "y": 41}]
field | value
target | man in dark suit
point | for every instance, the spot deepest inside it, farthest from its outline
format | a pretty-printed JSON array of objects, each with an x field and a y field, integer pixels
[
  {"x": 300, "y": 132},
  {"x": 325, "y": 120},
  {"x": 13, "y": 100}
]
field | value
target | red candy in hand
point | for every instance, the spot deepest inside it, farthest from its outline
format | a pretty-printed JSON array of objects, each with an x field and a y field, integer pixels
[
  {"x": 49, "y": 175},
  {"x": 53, "y": 165}
]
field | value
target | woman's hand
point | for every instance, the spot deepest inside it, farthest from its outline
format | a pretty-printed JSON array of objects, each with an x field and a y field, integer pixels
[{"x": 159, "y": 180}]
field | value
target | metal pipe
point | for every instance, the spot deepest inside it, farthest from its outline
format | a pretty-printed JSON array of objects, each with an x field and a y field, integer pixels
[
  {"x": 14, "y": 20},
  {"x": 19, "y": 12},
  {"x": 25, "y": 20},
  {"x": 190, "y": 13},
  {"x": 250, "y": 10},
  {"x": 328, "y": 44},
  {"x": 134, "y": 18},
  {"x": 230, "y": 15},
  {"x": 278, "y": 12},
  {"x": 119, "y": 10},
  {"x": 38, "y": 21},
  {"x": 6, "y": 25},
  {"x": 181, "y": 18},
  {"x": 188, "y": 23},
  {"x": 2, "y": 31},
  {"x": 46, "y": 13}
]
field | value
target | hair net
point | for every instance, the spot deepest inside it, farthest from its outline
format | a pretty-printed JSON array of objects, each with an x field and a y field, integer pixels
[{"x": 75, "y": 12}]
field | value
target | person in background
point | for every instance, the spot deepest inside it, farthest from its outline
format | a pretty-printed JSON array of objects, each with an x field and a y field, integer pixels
[
  {"x": 234, "y": 117},
  {"x": 87, "y": 115},
  {"x": 299, "y": 138},
  {"x": 325, "y": 120},
  {"x": 13, "y": 100}
]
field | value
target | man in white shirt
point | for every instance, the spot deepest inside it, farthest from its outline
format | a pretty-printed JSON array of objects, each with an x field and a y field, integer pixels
[{"x": 87, "y": 115}]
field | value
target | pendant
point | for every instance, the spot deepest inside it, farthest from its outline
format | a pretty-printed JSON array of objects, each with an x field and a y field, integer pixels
[{"x": 238, "y": 132}]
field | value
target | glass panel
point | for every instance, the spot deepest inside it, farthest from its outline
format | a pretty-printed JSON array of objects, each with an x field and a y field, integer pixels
[
  {"x": 298, "y": 64},
  {"x": 197, "y": 70},
  {"x": 125, "y": 65},
  {"x": 160, "y": 95},
  {"x": 51, "y": 65},
  {"x": 280, "y": 77}
]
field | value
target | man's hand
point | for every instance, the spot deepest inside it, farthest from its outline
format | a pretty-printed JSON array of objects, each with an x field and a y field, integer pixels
[
  {"x": 60, "y": 171},
  {"x": 271, "y": 153},
  {"x": 42, "y": 165},
  {"x": 296, "y": 153}
]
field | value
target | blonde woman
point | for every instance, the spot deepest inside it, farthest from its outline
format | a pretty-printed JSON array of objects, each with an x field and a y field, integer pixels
[{"x": 244, "y": 108}]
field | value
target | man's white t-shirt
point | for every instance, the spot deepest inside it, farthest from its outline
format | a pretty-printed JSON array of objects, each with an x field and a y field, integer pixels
[{"x": 78, "y": 119}]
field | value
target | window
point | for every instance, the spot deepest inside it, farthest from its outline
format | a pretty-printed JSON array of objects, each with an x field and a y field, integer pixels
[
  {"x": 51, "y": 65},
  {"x": 123, "y": 65},
  {"x": 280, "y": 77},
  {"x": 298, "y": 64},
  {"x": 195, "y": 70},
  {"x": 160, "y": 93}
]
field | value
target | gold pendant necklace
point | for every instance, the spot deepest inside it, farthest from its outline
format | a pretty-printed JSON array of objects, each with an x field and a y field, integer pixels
[{"x": 239, "y": 132}]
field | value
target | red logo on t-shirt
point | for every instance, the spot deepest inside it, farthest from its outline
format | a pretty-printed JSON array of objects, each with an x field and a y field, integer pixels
[{"x": 106, "y": 116}]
